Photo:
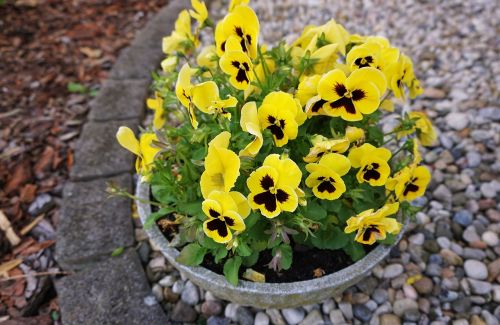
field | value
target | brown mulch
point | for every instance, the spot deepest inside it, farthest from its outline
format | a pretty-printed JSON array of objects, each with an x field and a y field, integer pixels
[{"x": 53, "y": 56}]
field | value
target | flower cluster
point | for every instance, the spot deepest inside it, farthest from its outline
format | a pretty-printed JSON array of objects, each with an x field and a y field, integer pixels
[{"x": 256, "y": 148}]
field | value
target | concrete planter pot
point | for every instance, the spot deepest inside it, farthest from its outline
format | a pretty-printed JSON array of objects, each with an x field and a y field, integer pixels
[{"x": 264, "y": 295}]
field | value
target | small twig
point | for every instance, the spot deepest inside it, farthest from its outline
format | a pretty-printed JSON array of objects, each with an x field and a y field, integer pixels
[
  {"x": 32, "y": 225},
  {"x": 7, "y": 228},
  {"x": 15, "y": 277}
]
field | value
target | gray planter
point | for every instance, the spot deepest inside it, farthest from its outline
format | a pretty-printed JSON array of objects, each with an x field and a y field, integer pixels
[{"x": 264, "y": 295}]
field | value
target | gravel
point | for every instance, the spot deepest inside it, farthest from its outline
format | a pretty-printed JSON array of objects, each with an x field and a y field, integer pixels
[{"x": 447, "y": 268}]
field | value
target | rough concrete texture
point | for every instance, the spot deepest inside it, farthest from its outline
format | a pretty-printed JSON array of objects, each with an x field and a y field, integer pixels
[
  {"x": 137, "y": 62},
  {"x": 98, "y": 154},
  {"x": 120, "y": 100},
  {"x": 92, "y": 226},
  {"x": 114, "y": 291}
]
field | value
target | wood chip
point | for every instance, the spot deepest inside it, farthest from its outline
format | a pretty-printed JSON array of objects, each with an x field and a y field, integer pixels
[
  {"x": 32, "y": 225},
  {"x": 9, "y": 265},
  {"x": 6, "y": 227}
]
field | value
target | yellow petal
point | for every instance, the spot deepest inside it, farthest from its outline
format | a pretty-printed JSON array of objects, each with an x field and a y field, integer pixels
[
  {"x": 331, "y": 85},
  {"x": 241, "y": 201},
  {"x": 204, "y": 95},
  {"x": 169, "y": 64},
  {"x": 239, "y": 68},
  {"x": 250, "y": 123},
  {"x": 289, "y": 173},
  {"x": 361, "y": 76},
  {"x": 217, "y": 230},
  {"x": 338, "y": 163},
  {"x": 126, "y": 138}
]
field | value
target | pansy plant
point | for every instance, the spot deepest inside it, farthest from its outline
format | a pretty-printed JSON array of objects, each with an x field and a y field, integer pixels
[{"x": 258, "y": 149}]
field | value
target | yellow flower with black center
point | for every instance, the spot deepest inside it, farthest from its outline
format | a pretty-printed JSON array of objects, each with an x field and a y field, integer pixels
[
  {"x": 249, "y": 122},
  {"x": 281, "y": 114},
  {"x": 241, "y": 23},
  {"x": 374, "y": 225},
  {"x": 372, "y": 163},
  {"x": 325, "y": 176},
  {"x": 182, "y": 37},
  {"x": 225, "y": 213},
  {"x": 183, "y": 92},
  {"x": 200, "y": 12},
  {"x": 206, "y": 99},
  {"x": 426, "y": 133},
  {"x": 142, "y": 148},
  {"x": 273, "y": 186},
  {"x": 351, "y": 97},
  {"x": 409, "y": 183},
  {"x": 156, "y": 104},
  {"x": 222, "y": 166},
  {"x": 323, "y": 146},
  {"x": 237, "y": 65},
  {"x": 364, "y": 55}
]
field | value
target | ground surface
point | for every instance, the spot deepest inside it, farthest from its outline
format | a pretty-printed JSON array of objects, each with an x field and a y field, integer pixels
[
  {"x": 54, "y": 54},
  {"x": 447, "y": 268}
]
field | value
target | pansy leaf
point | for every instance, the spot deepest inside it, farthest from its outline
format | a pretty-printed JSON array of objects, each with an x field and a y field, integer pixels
[
  {"x": 355, "y": 250},
  {"x": 220, "y": 253},
  {"x": 151, "y": 219},
  {"x": 192, "y": 254},
  {"x": 243, "y": 249},
  {"x": 199, "y": 154},
  {"x": 332, "y": 206},
  {"x": 389, "y": 240},
  {"x": 191, "y": 208},
  {"x": 330, "y": 238},
  {"x": 231, "y": 269},
  {"x": 251, "y": 259},
  {"x": 315, "y": 211},
  {"x": 375, "y": 136}
]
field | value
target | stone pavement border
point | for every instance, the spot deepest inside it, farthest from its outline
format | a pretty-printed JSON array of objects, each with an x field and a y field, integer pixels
[{"x": 106, "y": 289}]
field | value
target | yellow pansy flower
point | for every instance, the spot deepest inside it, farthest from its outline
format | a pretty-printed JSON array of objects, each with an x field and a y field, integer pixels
[
  {"x": 351, "y": 97},
  {"x": 241, "y": 23},
  {"x": 200, "y": 12},
  {"x": 181, "y": 36},
  {"x": 364, "y": 55},
  {"x": 222, "y": 166},
  {"x": 250, "y": 123},
  {"x": 308, "y": 88},
  {"x": 409, "y": 183},
  {"x": 183, "y": 91},
  {"x": 207, "y": 58},
  {"x": 372, "y": 163},
  {"x": 325, "y": 176},
  {"x": 206, "y": 99},
  {"x": 374, "y": 225},
  {"x": 156, "y": 104},
  {"x": 169, "y": 63},
  {"x": 423, "y": 127},
  {"x": 234, "y": 3},
  {"x": 402, "y": 75},
  {"x": 273, "y": 186},
  {"x": 225, "y": 213},
  {"x": 237, "y": 65},
  {"x": 324, "y": 58},
  {"x": 355, "y": 135},
  {"x": 142, "y": 148},
  {"x": 281, "y": 114},
  {"x": 323, "y": 145},
  {"x": 332, "y": 33}
]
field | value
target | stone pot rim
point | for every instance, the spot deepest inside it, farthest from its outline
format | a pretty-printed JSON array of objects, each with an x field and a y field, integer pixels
[{"x": 349, "y": 275}]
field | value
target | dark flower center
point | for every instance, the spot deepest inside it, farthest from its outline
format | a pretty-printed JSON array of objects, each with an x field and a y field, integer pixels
[
  {"x": 243, "y": 69},
  {"x": 370, "y": 172},
  {"x": 276, "y": 127}
]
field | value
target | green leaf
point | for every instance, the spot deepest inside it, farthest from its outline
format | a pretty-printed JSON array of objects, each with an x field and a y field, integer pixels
[
  {"x": 74, "y": 87},
  {"x": 330, "y": 238},
  {"x": 333, "y": 206},
  {"x": 199, "y": 154},
  {"x": 389, "y": 239},
  {"x": 153, "y": 217},
  {"x": 375, "y": 135},
  {"x": 355, "y": 250},
  {"x": 250, "y": 260},
  {"x": 243, "y": 249},
  {"x": 231, "y": 269},
  {"x": 314, "y": 211},
  {"x": 220, "y": 253},
  {"x": 191, "y": 208},
  {"x": 117, "y": 252},
  {"x": 192, "y": 254}
]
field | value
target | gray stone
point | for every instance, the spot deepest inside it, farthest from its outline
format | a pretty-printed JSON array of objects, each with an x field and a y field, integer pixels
[
  {"x": 362, "y": 313},
  {"x": 337, "y": 317},
  {"x": 244, "y": 316},
  {"x": 380, "y": 296},
  {"x": 211, "y": 308},
  {"x": 480, "y": 287},
  {"x": 119, "y": 100},
  {"x": 111, "y": 292},
  {"x": 42, "y": 203},
  {"x": 412, "y": 315},
  {"x": 476, "y": 269},
  {"x": 167, "y": 281},
  {"x": 489, "y": 190},
  {"x": 346, "y": 309},
  {"x": 216, "y": 320},
  {"x": 490, "y": 238},
  {"x": 190, "y": 294},
  {"x": 275, "y": 316},
  {"x": 231, "y": 311},
  {"x": 473, "y": 159},
  {"x": 470, "y": 234},
  {"x": 442, "y": 194},
  {"x": 463, "y": 218},
  {"x": 160, "y": 25},
  {"x": 461, "y": 305},
  {"x": 402, "y": 305},
  {"x": 158, "y": 292},
  {"x": 457, "y": 121},
  {"x": 98, "y": 153},
  {"x": 91, "y": 225},
  {"x": 389, "y": 319},
  {"x": 137, "y": 62},
  {"x": 393, "y": 270},
  {"x": 261, "y": 319},
  {"x": 182, "y": 312},
  {"x": 313, "y": 318},
  {"x": 293, "y": 315}
]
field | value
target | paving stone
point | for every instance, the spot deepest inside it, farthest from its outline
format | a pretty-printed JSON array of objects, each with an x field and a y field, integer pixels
[
  {"x": 92, "y": 226},
  {"x": 137, "y": 62},
  {"x": 111, "y": 292},
  {"x": 98, "y": 154},
  {"x": 120, "y": 100},
  {"x": 160, "y": 26}
]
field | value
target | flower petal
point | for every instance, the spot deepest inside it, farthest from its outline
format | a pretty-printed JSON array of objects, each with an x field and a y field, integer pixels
[{"x": 126, "y": 138}]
